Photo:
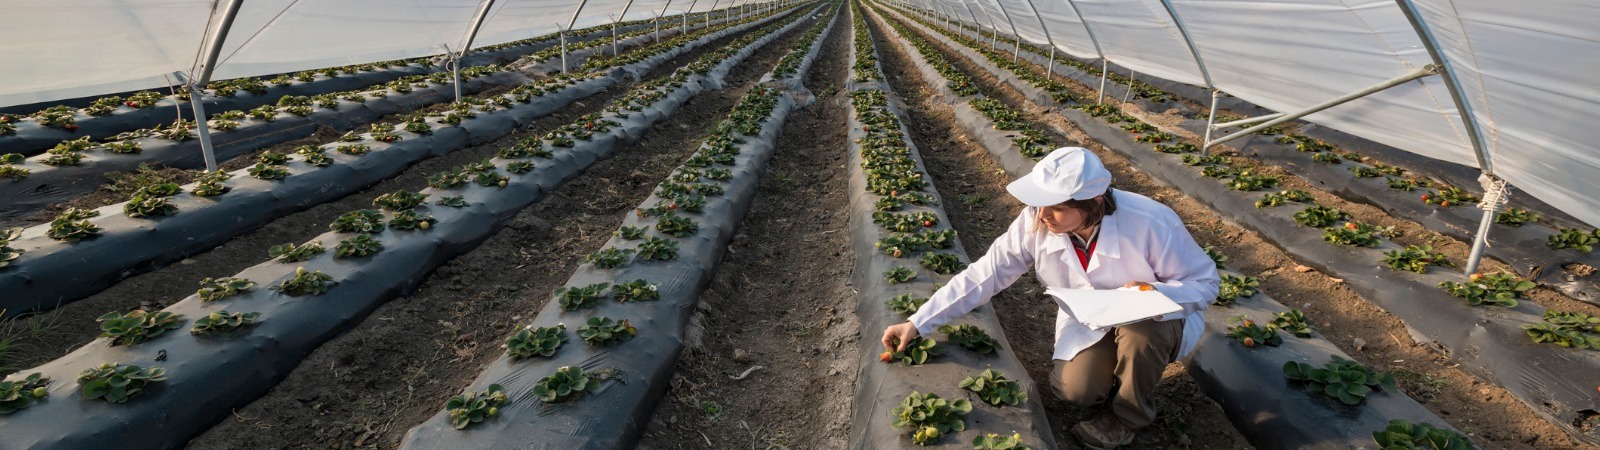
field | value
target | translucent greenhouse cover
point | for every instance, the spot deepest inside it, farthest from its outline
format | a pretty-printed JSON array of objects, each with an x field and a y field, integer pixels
[
  {"x": 1527, "y": 71},
  {"x": 62, "y": 50}
]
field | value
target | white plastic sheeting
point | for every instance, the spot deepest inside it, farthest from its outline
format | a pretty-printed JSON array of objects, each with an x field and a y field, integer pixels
[
  {"x": 1526, "y": 71},
  {"x": 57, "y": 50}
]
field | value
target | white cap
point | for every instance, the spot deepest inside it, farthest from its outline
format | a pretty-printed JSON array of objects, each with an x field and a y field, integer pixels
[{"x": 1069, "y": 173}]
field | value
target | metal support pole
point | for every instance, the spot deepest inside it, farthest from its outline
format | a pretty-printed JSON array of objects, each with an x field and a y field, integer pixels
[
  {"x": 712, "y": 10},
  {"x": 466, "y": 45},
  {"x": 1194, "y": 51},
  {"x": 1105, "y": 70},
  {"x": 1243, "y": 122},
  {"x": 1211, "y": 119},
  {"x": 563, "y": 48},
  {"x": 1128, "y": 93},
  {"x": 1016, "y": 51},
  {"x": 1392, "y": 82},
  {"x": 202, "y": 71},
  {"x": 686, "y": 14}
]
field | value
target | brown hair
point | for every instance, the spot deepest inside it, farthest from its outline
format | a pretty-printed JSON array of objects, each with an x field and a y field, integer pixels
[{"x": 1093, "y": 211}]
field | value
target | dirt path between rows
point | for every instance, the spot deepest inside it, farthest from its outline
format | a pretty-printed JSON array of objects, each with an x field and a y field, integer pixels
[
  {"x": 366, "y": 388},
  {"x": 964, "y": 172},
  {"x": 1486, "y": 412},
  {"x": 779, "y": 306}
]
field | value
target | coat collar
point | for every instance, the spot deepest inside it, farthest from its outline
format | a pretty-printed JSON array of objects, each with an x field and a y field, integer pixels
[{"x": 1106, "y": 247}]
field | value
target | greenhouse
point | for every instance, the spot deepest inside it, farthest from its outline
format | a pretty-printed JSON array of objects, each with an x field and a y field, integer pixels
[{"x": 685, "y": 224}]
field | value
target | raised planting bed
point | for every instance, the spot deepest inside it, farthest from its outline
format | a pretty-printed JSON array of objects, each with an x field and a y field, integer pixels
[
  {"x": 74, "y": 169},
  {"x": 894, "y": 404},
  {"x": 104, "y": 117},
  {"x": 793, "y": 66},
  {"x": 1269, "y": 409},
  {"x": 326, "y": 293},
  {"x": 51, "y": 272},
  {"x": 653, "y": 271}
]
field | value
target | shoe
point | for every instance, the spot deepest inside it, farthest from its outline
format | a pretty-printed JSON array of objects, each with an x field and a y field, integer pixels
[{"x": 1103, "y": 432}]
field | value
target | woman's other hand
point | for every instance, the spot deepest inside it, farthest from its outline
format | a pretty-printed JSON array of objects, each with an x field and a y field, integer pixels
[
  {"x": 903, "y": 331},
  {"x": 1143, "y": 286}
]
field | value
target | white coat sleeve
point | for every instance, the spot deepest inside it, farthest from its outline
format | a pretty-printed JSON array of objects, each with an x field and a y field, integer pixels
[
  {"x": 1187, "y": 275},
  {"x": 1008, "y": 258}
]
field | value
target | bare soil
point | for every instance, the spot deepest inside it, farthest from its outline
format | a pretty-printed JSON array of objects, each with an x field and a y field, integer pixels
[
  {"x": 1486, "y": 412},
  {"x": 963, "y": 170},
  {"x": 779, "y": 306},
  {"x": 366, "y": 388}
]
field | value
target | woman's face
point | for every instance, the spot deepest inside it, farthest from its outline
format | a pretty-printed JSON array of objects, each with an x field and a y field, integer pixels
[{"x": 1061, "y": 218}]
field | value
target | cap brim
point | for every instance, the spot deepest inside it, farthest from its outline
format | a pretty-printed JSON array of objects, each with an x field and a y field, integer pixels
[{"x": 1028, "y": 190}]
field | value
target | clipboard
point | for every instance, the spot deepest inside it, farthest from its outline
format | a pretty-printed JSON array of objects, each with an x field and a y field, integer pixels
[{"x": 1104, "y": 308}]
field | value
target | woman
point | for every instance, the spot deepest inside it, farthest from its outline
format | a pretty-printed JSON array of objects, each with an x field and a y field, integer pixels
[{"x": 1077, "y": 233}]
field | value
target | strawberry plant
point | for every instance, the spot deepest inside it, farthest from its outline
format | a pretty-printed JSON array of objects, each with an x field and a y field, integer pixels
[
  {"x": 1219, "y": 171},
  {"x": 1248, "y": 334},
  {"x": 290, "y": 253},
  {"x": 1573, "y": 238},
  {"x": 1408, "y": 184},
  {"x": 943, "y": 263},
  {"x": 572, "y": 298},
  {"x": 116, "y": 383},
  {"x": 20, "y": 394},
  {"x": 59, "y": 116},
  {"x": 268, "y": 172},
  {"x": 358, "y": 221},
  {"x": 8, "y": 253},
  {"x": 222, "y": 322},
  {"x": 1342, "y": 379},
  {"x": 1155, "y": 137},
  {"x": 1415, "y": 258},
  {"x": 629, "y": 232},
  {"x": 59, "y": 157},
  {"x": 1404, "y": 435},
  {"x": 636, "y": 291},
  {"x": 519, "y": 167},
  {"x": 1233, "y": 287},
  {"x": 971, "y": 338},
  {"x": 994, "y": 441},
  {"x": 360, "y": 246},
  {"x": 73, "y": 225},
  {"x": 449, "y": 179},
  {"x": 1178, "y": 148},
  {"x": 905, "y": 303},
  {"x": 566, "y": 383},
  {"x": 356, "y": 149},
  {"x": 213, "y": 289},
  {"x": 1449, "y": 196},
  {"x": 1216, "y": 257},
  {"x": 128, "y": 147},
  {"x": 411, "y": 220},
  {"x": 560, "y": 139},
  {"x": 541, "y": 342},
  {"x": 609, "y": 257},
  {"x": 272, "y": 158},
  {"x": 676, "y": 226},
  {"x": 917, "y": 351},
  {"x": 1318, "y": 216},
  {"x": 1032, "y": 143},
  {"x": 473, "y": 407},
  {"x": 994, "y": 388},
  {"x": 930, "y": 416},
  {"x": 1354, "y": 233},
  {"x": 1573, "y": 320},
  {"x": 1327, "y": 157},
  {"x": 14, "y": 173},
  {"x": 1564, "y": 337},
  {"x": 604, "y": 332},
  {"x": 453, "y": 202},
  {"x": 1501, "y": 289},
  {"x": 142, "y": 205},
  {"x": 314, "y": 156},
  {"x": 899, "y": 275},
  {"x": 400, "y": 200},
  {"x": 526, "y": 148},
  {"x": 1365, "y": 172},
  {"x": 137, "y": 326},
  {"x": 304, "y": 283},
  {"x": 1138, "y": 127},
  {"x": 266, "y": 113},
  {"x": 1280, "y": 197},
  {"x": 1292, "y": 321},
  {"x": 905, "y": 222},
  {"x": 718, "y": 173},
  {"x": 490, "y": 179},
  {"x": 1515, "y": 217},
  {"x": 1206, "y": 160},
  {"x": 658, "y": 249},
  {"x": 896, "y": 203},
  {"x": 1247, "y": 181}
]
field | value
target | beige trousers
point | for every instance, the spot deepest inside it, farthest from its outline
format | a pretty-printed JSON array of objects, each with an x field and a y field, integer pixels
[{"x": 1124, "y": 368}]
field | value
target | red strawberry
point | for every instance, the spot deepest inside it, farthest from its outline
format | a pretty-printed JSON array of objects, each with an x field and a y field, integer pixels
[
  {"x": 1249, "y": 342},
  {"x": 1350, "y": 225},
  {"x": 886, "y": 357}
]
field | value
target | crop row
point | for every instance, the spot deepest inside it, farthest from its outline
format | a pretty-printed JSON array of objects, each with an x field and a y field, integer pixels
[
  {"x": 157, "y": 226},
  {"x": 654, "y": 269},
  {"x": 968, "y": 388},
  {"x": 1381, "y": 271},
  {"x": 1236, "y": 352},
  {"x": 306, "y": 296}
]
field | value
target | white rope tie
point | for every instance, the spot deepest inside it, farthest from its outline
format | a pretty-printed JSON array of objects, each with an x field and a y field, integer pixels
[{"x": 1496, "y": 193}]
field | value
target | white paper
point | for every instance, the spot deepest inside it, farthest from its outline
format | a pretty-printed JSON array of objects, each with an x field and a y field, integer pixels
[{"x": 1101, "y": 308}]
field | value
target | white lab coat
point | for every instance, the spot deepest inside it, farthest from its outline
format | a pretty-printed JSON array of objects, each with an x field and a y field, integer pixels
[{"x": 1142, "y": 241}]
